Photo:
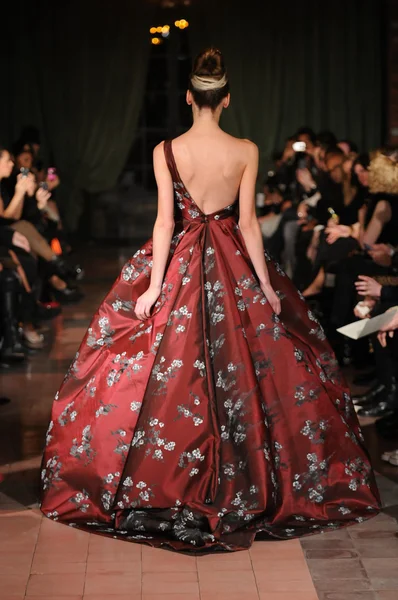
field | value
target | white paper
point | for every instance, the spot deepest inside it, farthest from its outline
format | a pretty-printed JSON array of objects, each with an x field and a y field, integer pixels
[{"x": 365, "y": 327}]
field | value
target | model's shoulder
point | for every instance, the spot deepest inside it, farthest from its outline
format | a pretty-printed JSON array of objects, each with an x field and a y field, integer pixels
[
  {"x": 249, "y": 151},
  {"x": 250, "y": 146},
  {"x": 159, "y": 148}
]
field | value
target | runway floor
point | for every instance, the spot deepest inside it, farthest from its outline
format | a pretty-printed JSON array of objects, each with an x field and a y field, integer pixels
[{"x": 47, "y": 560}]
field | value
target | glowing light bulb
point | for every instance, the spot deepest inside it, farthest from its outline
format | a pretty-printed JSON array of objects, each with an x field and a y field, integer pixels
[
  {"x": 152, "y": 30},
  {"x": 155, "y": 41},
  {"x": 159, "y": 29},
  {"x": 177, "y": 23},
  {"x": 165, "y": 28}
]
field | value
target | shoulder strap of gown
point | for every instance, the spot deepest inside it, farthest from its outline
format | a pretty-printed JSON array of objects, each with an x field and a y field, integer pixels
[{"x": 168, "y": 153}]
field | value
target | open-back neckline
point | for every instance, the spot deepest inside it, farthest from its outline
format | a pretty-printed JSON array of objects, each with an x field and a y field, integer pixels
[{"x": 173, "y": 160}]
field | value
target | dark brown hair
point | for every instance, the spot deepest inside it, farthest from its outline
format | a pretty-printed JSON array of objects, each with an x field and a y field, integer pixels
[{"x": 209, "y": 64}]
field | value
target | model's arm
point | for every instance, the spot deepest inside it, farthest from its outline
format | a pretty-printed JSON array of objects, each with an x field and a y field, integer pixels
[
  {"x": 250, "y": 228},
  {"x": 162, "y": 233}
]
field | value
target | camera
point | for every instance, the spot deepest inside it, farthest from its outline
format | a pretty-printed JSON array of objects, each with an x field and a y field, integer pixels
[
  {"x": 300, "y": 160},
  {"x": 299, "y": 146},
  {"x": 24, "y": 171}
]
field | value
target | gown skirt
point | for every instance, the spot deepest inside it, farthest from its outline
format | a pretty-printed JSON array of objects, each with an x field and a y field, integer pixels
[{"x": 212, "y": 422}]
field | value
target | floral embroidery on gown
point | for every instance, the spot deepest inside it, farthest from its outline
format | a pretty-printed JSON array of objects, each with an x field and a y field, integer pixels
[{"x": 213, "y": 421}]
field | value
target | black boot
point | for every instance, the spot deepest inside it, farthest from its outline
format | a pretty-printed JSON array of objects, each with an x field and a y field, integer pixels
[
  {"x": 372, "y": 396},
  {"x": 12, "y": 349},
  {"x": 386, "y": 405},
  {"x": 66, "y": 272}
]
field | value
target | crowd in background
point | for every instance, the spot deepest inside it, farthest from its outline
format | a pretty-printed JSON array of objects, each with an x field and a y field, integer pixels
[
  {"x": 35, "y": 275},
  {"x": 329, "y": 214}
]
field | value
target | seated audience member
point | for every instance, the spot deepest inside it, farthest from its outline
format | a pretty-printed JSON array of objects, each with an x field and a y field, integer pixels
[
  {"x": 26, "y": 152},
  {"x": 19, "y": 303},
  {"x": 381, "y": 400},
  {"x": 11, "y": 208},
  {"x": 341, "y": 236}
]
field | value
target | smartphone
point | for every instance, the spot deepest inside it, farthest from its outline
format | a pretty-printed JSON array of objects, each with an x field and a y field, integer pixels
[{"x": 51, "y": 173}]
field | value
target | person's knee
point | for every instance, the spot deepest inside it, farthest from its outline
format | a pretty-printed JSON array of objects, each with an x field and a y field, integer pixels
[{"x": 23, "y": 227}]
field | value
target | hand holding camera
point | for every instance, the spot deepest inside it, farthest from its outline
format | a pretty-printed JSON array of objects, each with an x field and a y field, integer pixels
[
  {"x": 42, "y": 196},
  {"x": 52, "y": 180},
  {"x": 24, "y": 180}
]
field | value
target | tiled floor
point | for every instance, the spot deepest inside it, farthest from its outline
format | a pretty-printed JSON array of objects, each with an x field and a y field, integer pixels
[{"x": 46, "y": 560}]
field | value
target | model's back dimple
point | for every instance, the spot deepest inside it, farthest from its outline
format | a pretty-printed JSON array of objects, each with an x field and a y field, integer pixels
[{"x": 210, "y": 164}]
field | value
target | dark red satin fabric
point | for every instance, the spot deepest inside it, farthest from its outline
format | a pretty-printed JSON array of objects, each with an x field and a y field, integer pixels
[{"x": 213, "y": 421}]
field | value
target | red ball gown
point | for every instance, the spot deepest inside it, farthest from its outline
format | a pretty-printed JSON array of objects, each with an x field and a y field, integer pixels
[{"x": 215, "y": 420}]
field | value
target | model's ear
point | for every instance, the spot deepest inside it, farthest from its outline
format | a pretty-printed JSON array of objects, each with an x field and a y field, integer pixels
[
  {"x": 189, "y": 98},
  {"x": 226, "y": 101}
]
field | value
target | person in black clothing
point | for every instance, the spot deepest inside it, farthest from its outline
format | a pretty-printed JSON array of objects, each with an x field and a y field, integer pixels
[
  {"x": 381, "y": 400},
  {"x": 346, "y": 195}
]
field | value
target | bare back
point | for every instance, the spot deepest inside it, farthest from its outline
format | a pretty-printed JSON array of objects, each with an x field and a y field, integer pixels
[{"x": 211, "y": 165}]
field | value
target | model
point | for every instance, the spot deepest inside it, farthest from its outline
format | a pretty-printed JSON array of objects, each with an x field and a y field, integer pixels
[{"x": 205, "y": 407}]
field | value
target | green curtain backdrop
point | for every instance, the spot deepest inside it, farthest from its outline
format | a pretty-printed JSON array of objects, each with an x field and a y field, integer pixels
[
  {"x": 297, "y": 63},
  {"x": 77, "y": 70}
]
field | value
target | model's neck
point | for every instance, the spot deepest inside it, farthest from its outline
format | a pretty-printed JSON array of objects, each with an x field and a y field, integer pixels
[{"x": 206, "y": 119}]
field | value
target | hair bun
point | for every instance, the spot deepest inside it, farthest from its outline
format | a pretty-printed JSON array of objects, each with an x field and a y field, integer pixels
[
  {"x": 209, "y": 63},
  {"x": 208, "y": 81}
]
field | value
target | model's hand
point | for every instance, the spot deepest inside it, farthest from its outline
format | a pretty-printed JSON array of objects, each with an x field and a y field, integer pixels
[
  {"x": 272, "y": 298},
  {"x": 145, "y": 303},
  {"x": 366, "y": 286}
]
